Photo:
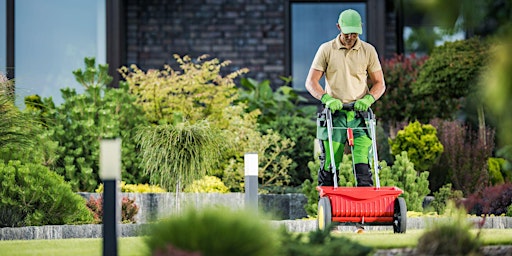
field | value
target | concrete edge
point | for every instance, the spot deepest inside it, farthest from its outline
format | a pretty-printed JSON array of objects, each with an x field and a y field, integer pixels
[{"x": 132, "y": 230}]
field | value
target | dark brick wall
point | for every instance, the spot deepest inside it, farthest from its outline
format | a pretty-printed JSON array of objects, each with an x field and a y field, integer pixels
[{"x": 250, "y": 33}]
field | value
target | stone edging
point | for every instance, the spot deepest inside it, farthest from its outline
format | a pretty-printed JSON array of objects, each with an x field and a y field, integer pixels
[{"x": 130, "y": 230}]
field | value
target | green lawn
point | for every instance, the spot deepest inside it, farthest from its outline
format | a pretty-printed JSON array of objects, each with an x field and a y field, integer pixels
[{"x": 134, "y": 246}]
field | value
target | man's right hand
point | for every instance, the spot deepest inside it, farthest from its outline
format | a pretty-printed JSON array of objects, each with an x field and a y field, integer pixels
[{"x": 332, "y": 103}]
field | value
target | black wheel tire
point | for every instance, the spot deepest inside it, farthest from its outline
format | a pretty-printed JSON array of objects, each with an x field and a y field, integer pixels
[
  {"x": 400, "y": 216},
  {"x": 324, "y": 219}
]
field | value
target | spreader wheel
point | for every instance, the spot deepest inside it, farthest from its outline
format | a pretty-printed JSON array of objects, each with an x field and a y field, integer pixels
[
  {"x": 324, "y": 213},
  {"x": 400, "y": 216}
]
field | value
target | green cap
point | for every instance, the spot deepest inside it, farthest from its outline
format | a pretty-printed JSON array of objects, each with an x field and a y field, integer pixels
[{"x": 350, "y": 22}]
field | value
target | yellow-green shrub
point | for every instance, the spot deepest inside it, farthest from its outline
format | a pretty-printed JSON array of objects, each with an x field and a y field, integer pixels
[
  {"x": 208, "y": 184},
  {"x": 136, "y": 188}
]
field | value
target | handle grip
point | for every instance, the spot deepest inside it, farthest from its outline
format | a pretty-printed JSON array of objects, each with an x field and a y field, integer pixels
[{"x": 350, "y": 137}]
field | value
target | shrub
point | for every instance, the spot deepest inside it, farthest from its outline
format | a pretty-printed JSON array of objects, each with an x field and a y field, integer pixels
[
  {"x": 491, "y": 200},
  {"x": 207, "y": 184},
  {"x": 464, "y": 160},
  {"x": 399, "y": 104},
  {"x": 301, "y": 131},
  {"x": 213, "y": 231},
  {"x": 82, "y": 119},
  {"x": 452, "y": 236},
  {"x": 309, "y": 189},
  {"x": 421, "y": 144},
  {"x": 496, "y": 170},
  {"x": 135, "y": 188},
  {"x": 403, "y": 175},
  {"x": 451, "y": 73},
  {"x": 32, "y": 195},
  {"x": 443, "y": 196},
  {"x": 128, "y": 209},
  {"x": 320, "y": 243}
]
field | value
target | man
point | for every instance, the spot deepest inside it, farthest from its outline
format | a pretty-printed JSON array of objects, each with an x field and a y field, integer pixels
[{"x": 346, "y": 62}]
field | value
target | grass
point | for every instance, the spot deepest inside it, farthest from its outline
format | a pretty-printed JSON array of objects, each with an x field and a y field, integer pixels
[{"x": 135, "y": 246}]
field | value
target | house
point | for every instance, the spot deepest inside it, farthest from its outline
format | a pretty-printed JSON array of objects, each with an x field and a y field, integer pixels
[{"x": 43, "y": 41}]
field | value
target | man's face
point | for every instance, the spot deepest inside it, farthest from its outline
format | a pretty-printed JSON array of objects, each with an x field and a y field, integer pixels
[{"x": 349, "y": 40}]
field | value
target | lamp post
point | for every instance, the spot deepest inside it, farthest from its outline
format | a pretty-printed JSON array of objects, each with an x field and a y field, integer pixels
[
  {"x": 110, "y": 173},
  {"x": 251, "y": 180}
]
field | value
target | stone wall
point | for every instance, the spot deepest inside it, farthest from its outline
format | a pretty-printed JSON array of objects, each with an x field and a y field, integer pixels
[{"x": 159, "y": 205}]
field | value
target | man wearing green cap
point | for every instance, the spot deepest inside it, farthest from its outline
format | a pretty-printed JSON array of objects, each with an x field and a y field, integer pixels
[{"x": 347, "y": 62}]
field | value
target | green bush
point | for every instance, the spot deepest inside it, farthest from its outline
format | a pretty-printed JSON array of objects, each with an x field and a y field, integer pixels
[
  {"x": 421, "y": 144},
  {"x": 443, "y": 196},
  {"x": 32, "y": 195},
  {"x": 213, "y": 231},
  {"x": 309, "y": 189},
  {"x": 496, "y": 170},
  {"x": 82, "y": 120},
  {"x": 320, "y": 243},
  {"x": 451, "y": 73},
  {"x": 452, "y": 236},
  {"x": 207, "y": 184},
  {"x": 301, "y": 131},
  {"x": 403, "y": 175}
]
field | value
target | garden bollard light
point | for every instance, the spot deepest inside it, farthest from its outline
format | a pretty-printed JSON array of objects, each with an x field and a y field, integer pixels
[
  {"x": 110, "y": 173},
  {"x": 251, "y": 180}
]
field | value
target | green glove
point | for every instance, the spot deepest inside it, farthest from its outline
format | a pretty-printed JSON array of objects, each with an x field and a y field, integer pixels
[
  {"x": 332, "y": 103},
  {"x": 364, "y": 103}
]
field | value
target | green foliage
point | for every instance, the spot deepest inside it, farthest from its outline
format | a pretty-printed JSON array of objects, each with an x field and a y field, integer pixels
[
  {"x": 301, "y": 131},
  {"x": 176, "y": 155},
  {"x": 19, "y": 130},
  {"x": 421, "y": 144},
  {"x": 197, "y": 92},
  {"x": 83, "y": 119},
  {"x": 207, "y": 184},
  {"x": 452, "y": 236},
  {"x": 443, "y": 196},
  {"x": 451, "y": 73},
  {"x": 135, "y": 188},
  {"x": 403, "y": 176},
  {"x": 320, "y": 243},
  {"x": 495, "y": 170},
  {"x": 272, "y": 104},
  {"x": 309, "y": 189},
  {"x": 213, "y": 231},
  {"x": 509, "y": 211},
  {"x": 32, "y": 195}
]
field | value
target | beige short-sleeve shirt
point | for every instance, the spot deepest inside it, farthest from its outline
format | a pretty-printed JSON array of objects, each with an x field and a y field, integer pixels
[{"x": 346, "y": 70}]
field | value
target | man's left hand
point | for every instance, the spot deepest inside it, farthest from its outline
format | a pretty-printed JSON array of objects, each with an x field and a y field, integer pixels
[{"x": 364, "y": 103}]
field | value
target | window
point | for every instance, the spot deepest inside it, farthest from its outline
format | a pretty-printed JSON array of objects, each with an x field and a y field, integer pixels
[
  {"x": 52, "y": 38},
  {"x": 311, "y": 25}
]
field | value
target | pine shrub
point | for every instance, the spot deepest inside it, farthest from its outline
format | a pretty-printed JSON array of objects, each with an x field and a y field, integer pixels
[
  {"x": 32, "y": 195},
  {"x": 403, "y": 175}
]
